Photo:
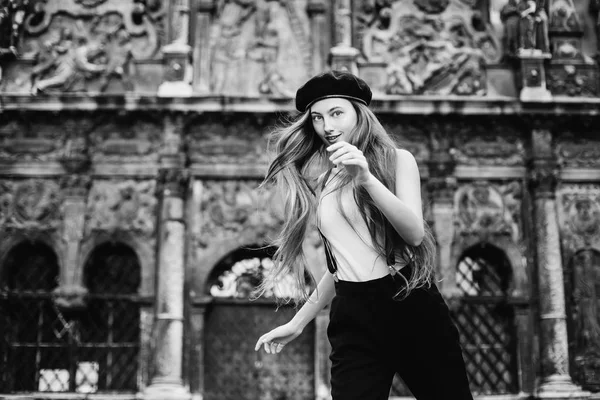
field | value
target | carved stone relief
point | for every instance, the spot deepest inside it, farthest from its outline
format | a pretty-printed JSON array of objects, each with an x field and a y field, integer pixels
[
  {"x": 258, "y": 47},
  {"x": 486, "y": 209},
  {"x": 427, "y": 47},
  {"x": 30, "y": 204},
  {"x": 411, "y": 134},
  {"x": 213, "y": 139},
  {"x": 122, "y": 206},
  {"x": 127, "y": 139},
  {"x": 89, "y": 45},
  {"x": 489, "y": 143},
  {"x": 232, "y": 208},
  {"x": 579, "y": 216},
  {"x": 575, "y": 148}
]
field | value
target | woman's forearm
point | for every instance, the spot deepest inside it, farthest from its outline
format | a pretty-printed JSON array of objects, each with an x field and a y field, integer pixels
[
  {"x": 408, "y": 225},
  {"x": 319, "y": 298}
]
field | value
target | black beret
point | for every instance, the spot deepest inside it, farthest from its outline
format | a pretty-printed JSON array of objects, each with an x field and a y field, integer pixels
[{"x": 332, "y": 84}]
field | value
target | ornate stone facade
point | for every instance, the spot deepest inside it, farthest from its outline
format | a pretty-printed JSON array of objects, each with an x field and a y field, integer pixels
[{"x": 146, "y": 123}]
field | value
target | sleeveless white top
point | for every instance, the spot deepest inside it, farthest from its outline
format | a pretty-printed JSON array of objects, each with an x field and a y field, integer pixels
[{"x": 356, "y": 257}]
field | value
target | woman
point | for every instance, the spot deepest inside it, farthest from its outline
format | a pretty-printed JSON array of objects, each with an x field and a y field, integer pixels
[{"x": 386, "y": 314}]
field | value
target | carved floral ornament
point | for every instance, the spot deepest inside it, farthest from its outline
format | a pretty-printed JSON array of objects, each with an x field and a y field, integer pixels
[
  {"x": 29, "y": 204},
  {"x": 124, "y": 206},
  {"x": 484, "y": 208}
]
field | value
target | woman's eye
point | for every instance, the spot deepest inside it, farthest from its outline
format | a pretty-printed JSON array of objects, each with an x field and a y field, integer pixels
[
  {"x": 336, "y": 113},
  {"x": 316, "y": 117}
]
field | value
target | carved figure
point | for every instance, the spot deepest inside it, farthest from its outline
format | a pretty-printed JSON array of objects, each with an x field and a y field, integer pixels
[
  {"x": 120, "y": 60},
  {"x": 229, "y": 50},
  {"x": 533, "y": 26},
  {"x": 69, "y": 61},
  {"x": 265, "y": 51},
  {"x": 12, "y": 15},
  {"x": 511, "y": 18}
]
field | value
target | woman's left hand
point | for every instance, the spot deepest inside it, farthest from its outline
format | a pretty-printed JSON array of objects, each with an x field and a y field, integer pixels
[{"x": 353, "y": 160}]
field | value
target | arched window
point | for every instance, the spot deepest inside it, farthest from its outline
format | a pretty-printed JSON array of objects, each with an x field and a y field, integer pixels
[
  {"x": 33, "y": 355},
  {"x": 486, "y": 320},
  {"x": 110, "y": 329},
  {"x": 233, "y": 370}
]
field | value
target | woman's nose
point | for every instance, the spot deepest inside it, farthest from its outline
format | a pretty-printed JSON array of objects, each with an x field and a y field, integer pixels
[{"x": 327, "y": 126}]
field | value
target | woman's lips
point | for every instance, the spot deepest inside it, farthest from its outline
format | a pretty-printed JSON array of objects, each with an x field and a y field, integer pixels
[{"x": 332, "y": 138}]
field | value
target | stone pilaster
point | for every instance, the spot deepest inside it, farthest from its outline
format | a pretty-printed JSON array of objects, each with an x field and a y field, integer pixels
[
  {"x": 167, "y": 379},
  {"x": 555, "y": 381},
  {"x": 316, "y": 10},
  {"x": 343, "y": 55},
  {"x": 176, "y": 55},
  {"x": 322, "y": 350},
  {"x": 441, "y": 187},
  {"x": 71, "y": 292},
  {"x": 204, "y": 10}
]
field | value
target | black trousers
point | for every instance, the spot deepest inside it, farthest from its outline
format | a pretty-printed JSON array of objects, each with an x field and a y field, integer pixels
[{"x": 373, "y": 336}]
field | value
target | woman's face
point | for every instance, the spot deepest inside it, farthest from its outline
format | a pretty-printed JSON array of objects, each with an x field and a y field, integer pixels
[{"x": 333, "y": 119}]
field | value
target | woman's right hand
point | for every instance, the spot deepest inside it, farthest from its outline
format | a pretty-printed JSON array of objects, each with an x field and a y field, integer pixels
[{"x": 275, "y": 340}]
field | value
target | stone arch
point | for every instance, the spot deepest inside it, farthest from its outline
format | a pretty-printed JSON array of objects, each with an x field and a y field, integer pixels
[
  {"x": 520, "y": 282},
  {"x": 142, "y": 247},
  {"x": 15, "y": 238}
]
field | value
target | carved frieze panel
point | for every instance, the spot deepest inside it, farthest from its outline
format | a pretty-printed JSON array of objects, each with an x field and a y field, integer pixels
[
  {"x": 214, "y": 139},
  {"x": 486, "y": 141},
  {"x": 30, "y": 204},
  {"x": 484, "y": 208},
  {"x": 426, "y": 47},
  {"x": 41, "y": 138},
  {"x": 232, "y": 208},
  {"x": 129, "y": 139},
  {"x": 578, "y": 148},
  {"x": 87, "y": 45},
  {"x": 580, "y": 80},
  {"x": 259, "y": 48},
  {"x": 122, "y": 206},
  {"x": 579, "y": 216}
]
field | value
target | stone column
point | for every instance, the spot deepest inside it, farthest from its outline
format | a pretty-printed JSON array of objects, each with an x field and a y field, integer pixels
[
  {"x": 204, "y": 12},
  {"x": 71, "y": 292},
  {"x": 316, "y": 10},
  {"x": 442, "y": 185},
  {"x": 555, "y": 381},
  {"x": 177, "y": 68},
  {"x": 343, "y": 55},
  {"x": 167, "y": 379},
  {"x": 322, "y": 363}
]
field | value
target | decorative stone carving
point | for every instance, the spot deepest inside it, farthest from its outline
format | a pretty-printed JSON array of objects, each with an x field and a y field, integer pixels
[
  {"x": 30, "y": 204},
  {"x": 217, "y": 140},
  {"x": 578, "y": 149},
  {"x": 12, "y": 16},
  {"x": 259, "y": 47},
  {"x": 229, "y": 208},
  {"x": 127, "y": 139},
  {"x": 579, "y": 207},
  {"x": 31, "y": 139},
  {"x": 428, "y": 47},
  {"x": 493, "y": 143},
  {"x": 485, "y": 209},
  {"x": 126, "y": 205},
  {"x": 563, "y": 16},
  {"x": 173, "y": 181},
  {"x": 533, "y": 27},
  {"x": 89, "y": 45}
]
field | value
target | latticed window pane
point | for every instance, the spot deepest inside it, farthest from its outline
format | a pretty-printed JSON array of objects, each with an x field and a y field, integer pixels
[
  {"x": 110, "y": 330},
  {"x": 486, "y": 322},
  {"x": 32, "y": 349},
  {"x": 233, "y": 324},
  {"x": 43, "y": 349}
]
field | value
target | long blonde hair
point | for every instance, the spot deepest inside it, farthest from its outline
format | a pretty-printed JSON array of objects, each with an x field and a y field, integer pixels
[{"x": 298, "y": 151}]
